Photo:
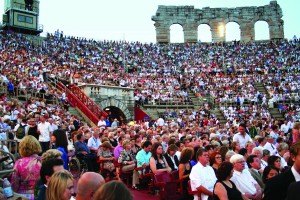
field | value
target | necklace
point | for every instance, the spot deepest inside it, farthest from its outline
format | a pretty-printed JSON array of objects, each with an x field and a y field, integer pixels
[{"x": 228, "y": 183}]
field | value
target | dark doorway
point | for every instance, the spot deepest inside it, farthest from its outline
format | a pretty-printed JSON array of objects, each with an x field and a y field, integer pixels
[{"x": 115, "y": 112}]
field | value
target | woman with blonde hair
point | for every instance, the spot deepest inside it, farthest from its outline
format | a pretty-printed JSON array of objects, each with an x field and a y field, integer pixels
[
  {"x": 27, "y": 168},
  {"x": 128, "y": 162},
  {"x": 60, "y": 186},
  {"x": 51, "y": 153},
  {"x": 112, "y": 140}
]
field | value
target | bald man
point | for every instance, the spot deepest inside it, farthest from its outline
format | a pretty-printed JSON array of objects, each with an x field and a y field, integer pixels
[{"x": 88, "y": 184}]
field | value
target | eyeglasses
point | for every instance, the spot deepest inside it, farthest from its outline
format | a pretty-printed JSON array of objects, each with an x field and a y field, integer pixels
[
  {"x": 218, "y": 157},
  {"x": 240, "y": 162}
]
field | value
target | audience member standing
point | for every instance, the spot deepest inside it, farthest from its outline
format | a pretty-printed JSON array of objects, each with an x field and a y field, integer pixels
[
  {"x": 44, "y": 130},
  {"x": 242, "y": 137},
  {"x": 27, "y": 168}
]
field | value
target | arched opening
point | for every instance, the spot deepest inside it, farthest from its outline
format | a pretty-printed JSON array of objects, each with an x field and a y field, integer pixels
[
  {"x": 204, "y": 33},
  {"x": 232, "y": 31},
  {"x": 176, "y": 34},
  {"x": 115, "y": 113},
  {"x": 262, "y": 30}
]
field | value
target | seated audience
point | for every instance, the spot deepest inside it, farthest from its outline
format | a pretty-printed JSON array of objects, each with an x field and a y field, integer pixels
[
  {"x": 224, "y": 187},
  {"x": 128, "y": 162},
  {"x": 202, "y": 176},
  {"x": 157, "y": 162},
  {"x": 171, "y": 158},
  {"x": 243, "y": 180},
  {"x": 185, "y": 168},
  {"x": 269, "y": 172}
]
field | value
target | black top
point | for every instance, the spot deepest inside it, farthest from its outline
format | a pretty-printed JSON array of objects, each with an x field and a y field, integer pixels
[
  {"x": 232, "y": 193},
  {"x": 160, "y": 165},
  {"x": 33, "y": 131},
  {"x": 188, "y": 171},
  {"x": 170, "y": 162}
]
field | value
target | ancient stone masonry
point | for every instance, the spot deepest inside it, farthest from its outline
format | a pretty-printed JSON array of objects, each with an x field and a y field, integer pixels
[{"x": 190, "y": 18}]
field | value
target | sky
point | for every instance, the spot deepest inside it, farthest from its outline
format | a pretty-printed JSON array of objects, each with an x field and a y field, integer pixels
[{"x": 130, "y": 20}]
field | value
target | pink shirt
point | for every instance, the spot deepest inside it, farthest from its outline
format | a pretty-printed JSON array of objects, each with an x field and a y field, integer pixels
[{"x": 27, "y": 173}]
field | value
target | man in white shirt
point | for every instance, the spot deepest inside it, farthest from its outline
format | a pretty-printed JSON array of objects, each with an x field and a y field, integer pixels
[
  {"x": 45, "y": 135},
  {"x": 285, "y": 127},
  {"x": 53, "y": 126},
  {"x": 242, "y": 137},
  {"x": 243, "y": 180},
  {"x": 94, "y": 141},
  {"x": 202, "y": 176},
  {"x": 274, "y": 132},
  {"x": 283, "y": 153},
  {"x": 102, "y": 122},
  {"x": 270, "y": 145}
]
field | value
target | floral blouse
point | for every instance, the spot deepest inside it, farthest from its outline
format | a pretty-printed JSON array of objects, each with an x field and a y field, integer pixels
[
  {"x": 105, "y": 154},
  {"x": 27, "y": 173},
  {"x": 124, "y": 156}
]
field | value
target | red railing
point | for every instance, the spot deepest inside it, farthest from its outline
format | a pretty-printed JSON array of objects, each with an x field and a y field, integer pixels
[
  {"x": 78, "y": 99},
  {"x": 85, "y": 104}
]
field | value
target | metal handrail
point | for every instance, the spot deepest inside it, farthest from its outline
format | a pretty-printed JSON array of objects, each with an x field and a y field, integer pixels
[{"x": 80, "y": 100}]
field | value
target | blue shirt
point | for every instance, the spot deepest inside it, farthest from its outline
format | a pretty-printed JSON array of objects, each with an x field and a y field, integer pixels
[
  {"x": 81, "y": 147},
  {"x": 143, "y": 157},
  {"x": 64, "y": 156}
]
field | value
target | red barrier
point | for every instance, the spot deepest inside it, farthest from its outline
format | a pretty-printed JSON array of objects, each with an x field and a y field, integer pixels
[
  {"x": 139, "y": 114},
  {"x": 78, "y": 99}
]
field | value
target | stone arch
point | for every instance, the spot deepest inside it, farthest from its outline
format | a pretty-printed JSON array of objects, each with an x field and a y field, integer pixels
[
  {"x": 204, "y": 27},
  {"x": 262, "y": 35},
  {"x": 116, "y": 113},
  {"x": 232, "y": 31},
  {"x": 176, "y": 33},
  {"x": 190, "y": 18},
  {"x": 112, "y": 102}
]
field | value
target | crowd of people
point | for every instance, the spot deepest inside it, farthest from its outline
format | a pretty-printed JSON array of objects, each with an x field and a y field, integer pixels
[{"x": 193, "y": 142}]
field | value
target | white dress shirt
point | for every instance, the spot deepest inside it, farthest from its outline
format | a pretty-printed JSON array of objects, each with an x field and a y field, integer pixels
[
  {"x": 242, "y": 140},
  {"x": 94, "y": 143},
  {"x": 244, "y": 181},
  {"x": 271, "y": 147},
  {"x": 44, "y": 129},
  {"x": 202, "y": 176}
]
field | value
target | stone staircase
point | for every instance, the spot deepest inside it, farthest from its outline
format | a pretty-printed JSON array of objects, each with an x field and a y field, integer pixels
[
  {"x": 262, "y": 89},
  {"x": 197, "y": 101},
  {"x": 151, "y": 112},
  {"x": 74, "y": 111},
  {"x": 276, "y": 114},
  {"x": 219, "y": 115}
]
